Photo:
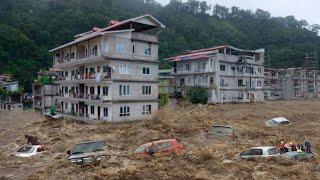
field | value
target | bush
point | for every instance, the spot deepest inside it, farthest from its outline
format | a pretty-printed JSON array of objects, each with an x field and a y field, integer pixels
[
  {"x": 163, "y": 99},
  {"x": 197, "y": 95}
]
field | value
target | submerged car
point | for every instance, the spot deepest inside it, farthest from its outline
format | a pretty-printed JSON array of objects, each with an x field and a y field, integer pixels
[
  {"x": 260, "y": 152},
  {"x": 53, "y": 116},
  {"x": 297, "y": 155},
  {"x": 279, "y": 121},
  {"x": 28, "y": 151},
  {"x": 220, "y": 132},
  {"x": 88, "y": 152},
  {"x": 161, "y": 146}
]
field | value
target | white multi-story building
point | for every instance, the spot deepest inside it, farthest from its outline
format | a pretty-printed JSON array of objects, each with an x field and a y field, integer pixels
[
  {"x": 229, "y": 74},
  {"x": 110, "y": 73}
]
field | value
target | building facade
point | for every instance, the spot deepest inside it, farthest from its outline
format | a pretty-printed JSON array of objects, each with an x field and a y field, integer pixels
[
  {"x": 166, "y": 82},
  {"x": 10, "y": 97},
  {"x": 110, "y": 73},
  {"x": 291, "y": 83},
  {"x": 44, "y": 91},
  {"x": 229, "y": 74}
]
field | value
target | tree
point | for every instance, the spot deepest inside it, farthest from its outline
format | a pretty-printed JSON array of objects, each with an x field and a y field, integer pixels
[
  {"x": 261, "y": 14},
  {"x": 204, "y": 7},
  {"x": 220, "y": 11},
  {"x": 197, "y": 95}
]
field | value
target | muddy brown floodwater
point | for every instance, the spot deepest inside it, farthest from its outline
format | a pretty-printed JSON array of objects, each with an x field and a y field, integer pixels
[{"x": 202, "y": 159}]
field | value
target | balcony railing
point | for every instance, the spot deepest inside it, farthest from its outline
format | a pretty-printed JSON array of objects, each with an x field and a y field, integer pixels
[
  {"x": 87, "y": 76},
  {"x": 85, "y": 96}
]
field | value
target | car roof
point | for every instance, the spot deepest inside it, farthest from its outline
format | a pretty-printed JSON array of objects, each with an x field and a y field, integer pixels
[
  {"x": 85, "y": 142},
  {"x": 31, "y": 146},
  {"x": 222, "y": 126},
  {"x": 280, "y": 119},
  {"x": 159, "y": 141},
  {"x": 263, "y": 147}
]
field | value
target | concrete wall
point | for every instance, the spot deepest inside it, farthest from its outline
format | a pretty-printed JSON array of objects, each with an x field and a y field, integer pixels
[
  {"x": 135, "y": 111},
  {"x": 135, "y": 91}
]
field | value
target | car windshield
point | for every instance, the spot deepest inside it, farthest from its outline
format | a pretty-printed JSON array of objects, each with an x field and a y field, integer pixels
[
  {"x": 87, "y": 147},
  {"x": 284, "y": 122},
  {"x": 26, "y": 149},
  {"x": 273, "y": 122},
  {"x": 221, "y": 130}
]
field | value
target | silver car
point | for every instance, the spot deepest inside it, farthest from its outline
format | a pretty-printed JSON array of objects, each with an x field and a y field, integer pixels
[
  {"x": 279, "y": 121},
  {"x": 88, "y": 152},
  {"x": 261, "y": 152}
]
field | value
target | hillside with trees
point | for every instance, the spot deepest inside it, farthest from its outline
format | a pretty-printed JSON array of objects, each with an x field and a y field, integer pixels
[{"x": 29, "y": 28}]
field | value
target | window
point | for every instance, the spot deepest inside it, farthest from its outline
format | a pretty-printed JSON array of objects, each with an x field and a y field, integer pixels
[
  {"x": 146, "y": 90},
  {"x": 124, "y": 90},
  {"x": 105, "y": 91},
  {"x": 95, "y": 50},
  {"x": 66, "y": 74},
  {"x": 188, "y": 67},
  {"x": 92, "y": 110},
  {"x": 147, "y": 51},
  {"x": 259, "y": 83},
  {"x": 120, "y": 48},
  {"x": 105, "y": 112},
  {"x": 240, "y": 82},
  {"x": 72, "y": 55},
  {"x": 124, "y": 111},
  {"x": 106, "y": 69},
  {"x": 256, "y": 152},
  {"x": 222, "y": 67},
  {"x": 92, "y": 90},
  {"x": 145, "y": 70},
  {"x": 66, "y": 90},
  {"x": 259, "y": 70},
  {"x": 98, "y": 90},
  {"x": 124, "y": 69},
  {"x": 204, "y": 66},
  {"x": 132, "y": 48},
  {"x": 146, "y": 109},
  {"x": 223, "y": 83}
]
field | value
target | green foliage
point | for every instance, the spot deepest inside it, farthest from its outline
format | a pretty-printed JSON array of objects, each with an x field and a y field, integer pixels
[
  {"x": 29, "y": 28},
  {"x": 163, "y": 100},
  {"x": 4, "y": 93},
  {"x": 197, "y": 95}
]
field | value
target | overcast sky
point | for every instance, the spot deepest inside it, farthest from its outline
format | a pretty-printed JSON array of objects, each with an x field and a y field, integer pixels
[{"x": 301, "y": 9}]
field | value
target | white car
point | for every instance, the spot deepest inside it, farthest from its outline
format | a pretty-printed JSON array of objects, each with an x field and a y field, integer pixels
[
  {"x": 277, "y": 121},
  {"x": 28, "y": 151},
  {"x": 261, "y": 152}
]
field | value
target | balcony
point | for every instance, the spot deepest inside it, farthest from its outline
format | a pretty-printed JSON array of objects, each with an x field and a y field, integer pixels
[
  {"x": 194, "y": 71},
  {"x": 80, "y": 60},
  {"x": 85, "y": 97},
  {"x": 80, "y": 78}
]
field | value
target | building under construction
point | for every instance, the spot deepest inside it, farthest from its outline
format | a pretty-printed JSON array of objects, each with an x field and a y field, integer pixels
[{"x": 293, "y": 83}]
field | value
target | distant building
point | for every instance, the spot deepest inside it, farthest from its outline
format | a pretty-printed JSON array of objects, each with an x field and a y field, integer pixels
[
  {"x": 44, "y": 90},
  {"x": 110, "y": 73},
  {"x": 291, "y": 83},
  {"x": 227, "y": 73},
  {"x": 166, "y": 82},
  {"x": 10, "y": 96}
]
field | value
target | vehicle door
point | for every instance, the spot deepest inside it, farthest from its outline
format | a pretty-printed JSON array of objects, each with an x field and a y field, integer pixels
[
  {"x": 251, "y": 153},
  {"x": 166, "y": 147},
  {"x": 301, "y": 156},
  {"x": 273, "y": 152}
]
